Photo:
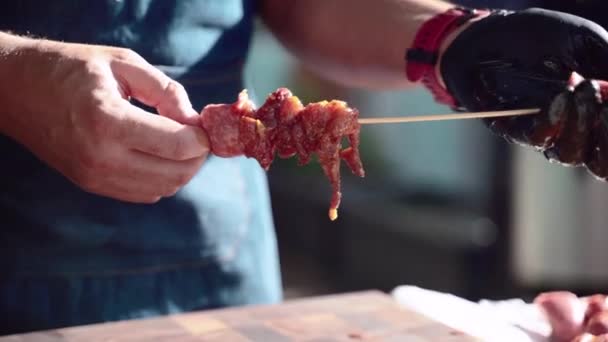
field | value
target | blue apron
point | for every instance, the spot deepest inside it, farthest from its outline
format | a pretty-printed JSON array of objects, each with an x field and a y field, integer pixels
[{"x": 69, "y": 257}]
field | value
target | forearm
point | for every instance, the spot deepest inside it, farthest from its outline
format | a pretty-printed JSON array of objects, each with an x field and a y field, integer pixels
[
  {"x": 10, "y": 47},
  {"x": 355, "y": 42},
  {"x": 12, "y": 68}
]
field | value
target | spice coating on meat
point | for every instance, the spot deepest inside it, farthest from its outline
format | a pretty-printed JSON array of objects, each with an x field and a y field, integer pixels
[{"x": 283, "y": 126}]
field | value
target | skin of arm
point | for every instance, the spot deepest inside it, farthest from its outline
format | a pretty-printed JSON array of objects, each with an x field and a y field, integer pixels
[
  {"x": 11, "y": 68},
  {"x": 359, "y": 43}
]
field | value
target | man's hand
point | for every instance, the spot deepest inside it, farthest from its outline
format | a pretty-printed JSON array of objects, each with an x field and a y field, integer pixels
[{"x": 69, "y": 104}]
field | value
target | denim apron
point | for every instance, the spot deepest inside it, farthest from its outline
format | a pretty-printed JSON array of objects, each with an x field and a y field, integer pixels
[{"x": 69, "y": 257}]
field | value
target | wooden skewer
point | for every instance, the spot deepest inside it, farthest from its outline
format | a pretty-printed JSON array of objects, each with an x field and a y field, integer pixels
[{"x": 442, "y": 117}]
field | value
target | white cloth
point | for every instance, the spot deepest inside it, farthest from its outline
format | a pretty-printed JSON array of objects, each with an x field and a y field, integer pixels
[{"x": 496, "y": 321}]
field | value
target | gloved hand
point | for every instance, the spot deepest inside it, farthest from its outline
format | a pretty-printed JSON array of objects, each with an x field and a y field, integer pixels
[
  {"x": 573, "y": 128},
  {"x": 512, "y": 60},
  {"x": 594, "y": 10}
]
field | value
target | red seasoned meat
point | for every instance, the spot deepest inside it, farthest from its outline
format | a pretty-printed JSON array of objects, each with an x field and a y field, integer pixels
[
  {"x": 575, "y": 319},
  {"x": 283, "y": 126}
]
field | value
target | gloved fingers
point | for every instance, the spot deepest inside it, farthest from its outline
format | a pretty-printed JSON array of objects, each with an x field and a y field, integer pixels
[
  {"x": 549, "y": 124},
  {"x": 573, "y": 141},
  {"x": 501, "y": 86},
  {"x": 597, "y": 162},
  {"x": 540, "y": 130},
  {"x": 513, "y": 129}
]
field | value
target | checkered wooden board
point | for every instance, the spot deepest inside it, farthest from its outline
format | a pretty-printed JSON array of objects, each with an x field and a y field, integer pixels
[{"x": 364, "y": 316}]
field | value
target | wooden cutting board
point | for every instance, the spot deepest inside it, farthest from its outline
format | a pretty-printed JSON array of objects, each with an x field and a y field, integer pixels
[{"x": 363, "y": 316}]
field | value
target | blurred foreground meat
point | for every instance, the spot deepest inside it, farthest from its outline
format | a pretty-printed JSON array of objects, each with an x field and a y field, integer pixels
[
  {"x": 575, "y": 319},
  {"x": 283, "y": 126}
]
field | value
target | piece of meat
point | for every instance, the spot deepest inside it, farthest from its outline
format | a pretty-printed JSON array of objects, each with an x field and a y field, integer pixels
[
  {"x": 598, "y": 323},
  {"x": 283, "y": 126},
  {"x": 575, "y": 319},
  {"x": 595, "y": 305},
  {"x": 222, "y": 122},
  {"x": 565, "y": 313},
  {"x": 590, "y": 338}
]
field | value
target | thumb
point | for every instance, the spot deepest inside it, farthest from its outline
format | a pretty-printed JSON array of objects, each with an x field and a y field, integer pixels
[{"x": 152, "y": 87}]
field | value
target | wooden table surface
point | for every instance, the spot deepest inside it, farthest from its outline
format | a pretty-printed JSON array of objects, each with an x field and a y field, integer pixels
[{"x": 361, "y": 316}]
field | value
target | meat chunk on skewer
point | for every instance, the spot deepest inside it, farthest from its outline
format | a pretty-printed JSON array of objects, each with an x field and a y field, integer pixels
[{"x": 283, "y": 126}]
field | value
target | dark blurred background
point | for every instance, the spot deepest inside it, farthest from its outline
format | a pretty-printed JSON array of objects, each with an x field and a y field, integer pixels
[{"x": 445, "y": 205}]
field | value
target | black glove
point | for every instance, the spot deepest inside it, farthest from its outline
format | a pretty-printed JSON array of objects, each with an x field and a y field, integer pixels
[
  {"x": 594, "y": 10},
  {"x": 524, "y": 59},
  {"x": 573, "y": 128}
]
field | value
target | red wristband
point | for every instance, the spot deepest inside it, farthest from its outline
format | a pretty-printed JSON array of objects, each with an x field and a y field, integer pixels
[{"x": 422, "y": 57}]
